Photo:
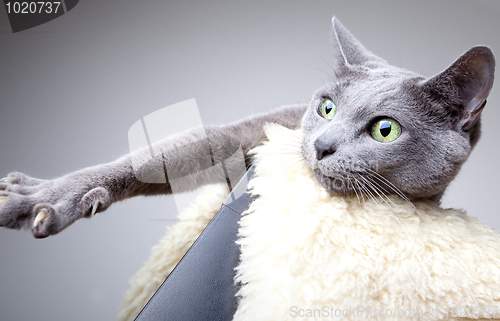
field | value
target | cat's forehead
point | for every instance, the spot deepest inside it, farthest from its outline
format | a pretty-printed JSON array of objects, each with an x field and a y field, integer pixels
[{"x": 373, "y": 91}]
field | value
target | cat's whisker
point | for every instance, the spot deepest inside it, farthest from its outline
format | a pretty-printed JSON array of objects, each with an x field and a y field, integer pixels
[
  {"x": 318, "y": 69},
  {"x": 296, "y": 142},
  {"x": 293, "y": 140},
  {"x": 368, "y": 191},
  {"x": 354, "y": 189},
  {"x": 390, "y": 185},
  {"x": 404, "y": 225},
  {"x": 289, "y": 163},
  {"x": 382, "y": 193},
  {"x": 360, "y": 191},
  {"x": 296, "y": 162},
  {"x": 369, "y": 185},
  {"x": 332, "y": 77},
  {"x": 398, "y": 208},
  {"x": 294, "y": 133},
  {"x": 289, "y": 149},
  {"x": 386, "y": 197},
  {"x": 374, "y": 179},
  {"x": 286, "y": 152},
  {"x": 291, "y": 146},
  {"x": 346, "y": 186},
  {"x": 297, "y": 134}
]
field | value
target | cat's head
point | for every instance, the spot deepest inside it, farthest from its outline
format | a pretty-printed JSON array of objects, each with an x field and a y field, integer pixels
[{"x": 376, "y": 128}]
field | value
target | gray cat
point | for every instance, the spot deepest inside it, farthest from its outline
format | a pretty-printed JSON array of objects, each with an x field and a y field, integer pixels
[{"x": 374, "y": 129}]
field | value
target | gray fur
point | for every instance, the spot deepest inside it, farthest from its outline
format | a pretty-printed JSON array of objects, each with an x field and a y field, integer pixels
[
  {"x": 440, "y": 117},
  {"x": 71, "y": 197}
]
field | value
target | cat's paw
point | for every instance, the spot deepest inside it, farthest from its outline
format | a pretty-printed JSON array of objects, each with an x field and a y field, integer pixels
[{"x": 46, "y": 207}]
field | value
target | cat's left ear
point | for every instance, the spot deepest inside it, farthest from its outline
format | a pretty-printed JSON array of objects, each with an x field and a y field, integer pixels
[
  {"x": 349, "y": 51},
  {"x": 467, "y": 82}
]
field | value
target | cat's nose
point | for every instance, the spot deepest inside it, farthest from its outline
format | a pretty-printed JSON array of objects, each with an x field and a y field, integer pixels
[{"x": 323, "y": 148}]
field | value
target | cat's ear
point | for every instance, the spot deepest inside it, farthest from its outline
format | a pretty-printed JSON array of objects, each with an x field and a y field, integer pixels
[
  {"x": 348, "y": 50},
  {"x": 467, "y": 83}
]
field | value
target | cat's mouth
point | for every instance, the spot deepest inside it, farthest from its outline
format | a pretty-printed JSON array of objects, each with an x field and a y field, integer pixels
[
  {"x": 344, "y": 176},
  {"x": 367, "y": 184},
  {"x": 337, "y": 184}
]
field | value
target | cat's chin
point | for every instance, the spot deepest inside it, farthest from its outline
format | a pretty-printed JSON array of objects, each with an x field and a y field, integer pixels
[{"x": 335, "y": 185}]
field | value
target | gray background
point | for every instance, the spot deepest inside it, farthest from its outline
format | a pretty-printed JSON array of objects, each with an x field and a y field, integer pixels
[{"x": 70, "y": 89}]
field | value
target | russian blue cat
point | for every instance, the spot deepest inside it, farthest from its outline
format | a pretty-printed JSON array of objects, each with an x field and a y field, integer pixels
[{"x": 373, "y": 129}]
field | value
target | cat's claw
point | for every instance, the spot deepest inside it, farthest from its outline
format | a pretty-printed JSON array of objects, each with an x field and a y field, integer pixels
[
  {"x": 45, "y": 222},
  {"x": 94, "y": 208},
  {"x": 40, "y": 218}
]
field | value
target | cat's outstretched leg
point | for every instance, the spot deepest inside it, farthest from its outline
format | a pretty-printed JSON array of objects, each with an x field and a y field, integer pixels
[{"x": 46, "y": 207}]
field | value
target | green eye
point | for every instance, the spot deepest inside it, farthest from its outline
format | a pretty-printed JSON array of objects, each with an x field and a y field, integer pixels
[
  {"x": 327, "y": 109},
  {"x": 386, "y": 130}
]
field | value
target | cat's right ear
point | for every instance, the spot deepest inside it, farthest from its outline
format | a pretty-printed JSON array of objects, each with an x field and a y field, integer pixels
[
  {"x": 349, "y": 51},
  {"x": 466, "y": 83}
]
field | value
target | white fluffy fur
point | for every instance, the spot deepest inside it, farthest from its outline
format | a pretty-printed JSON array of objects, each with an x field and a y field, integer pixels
[{"x": 306, "y": 252}]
